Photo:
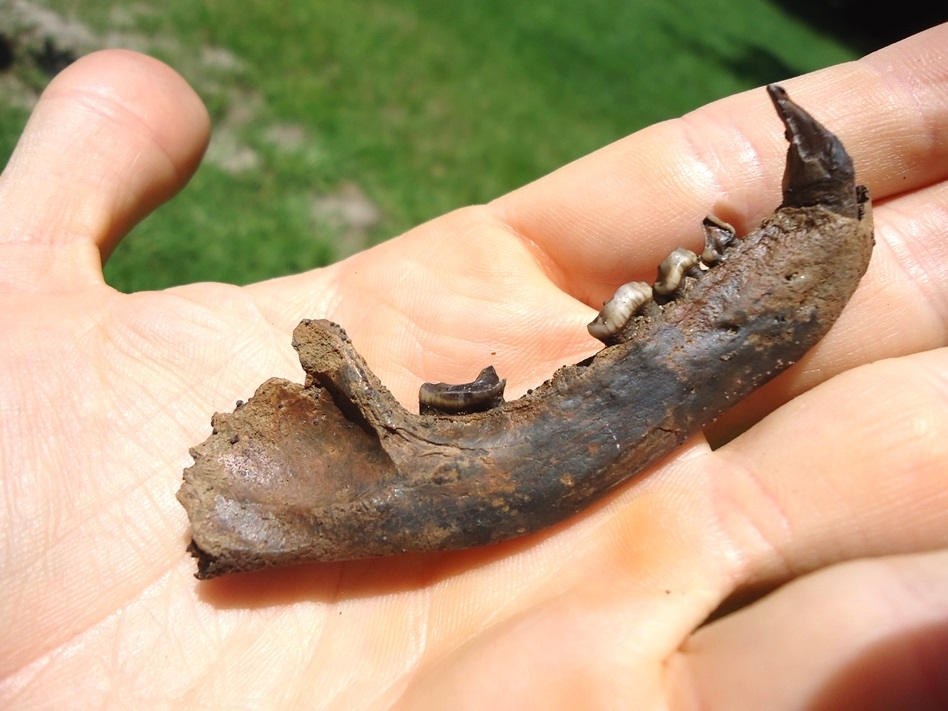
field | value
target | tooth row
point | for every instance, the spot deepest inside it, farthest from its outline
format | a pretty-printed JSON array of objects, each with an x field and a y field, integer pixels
[{"x": 630, "y": 298}]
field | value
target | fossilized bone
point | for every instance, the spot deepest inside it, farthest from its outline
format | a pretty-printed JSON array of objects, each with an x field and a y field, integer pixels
[{"x": 337, "y": 469}]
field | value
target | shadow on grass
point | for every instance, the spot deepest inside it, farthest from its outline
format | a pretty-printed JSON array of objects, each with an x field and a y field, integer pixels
[
  {"x": 749, "y": 63},
  {"x": 867, "y": 26}
]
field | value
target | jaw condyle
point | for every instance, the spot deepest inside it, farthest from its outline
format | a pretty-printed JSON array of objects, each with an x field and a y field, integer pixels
[{"x": 337, "y": 469}]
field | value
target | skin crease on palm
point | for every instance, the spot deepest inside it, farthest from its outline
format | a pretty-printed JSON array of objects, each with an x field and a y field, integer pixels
[{"x": 827, "y": 495}]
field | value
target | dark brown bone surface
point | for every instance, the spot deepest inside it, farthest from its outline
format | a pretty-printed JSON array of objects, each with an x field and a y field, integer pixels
[{"x": 336, "y": 469}]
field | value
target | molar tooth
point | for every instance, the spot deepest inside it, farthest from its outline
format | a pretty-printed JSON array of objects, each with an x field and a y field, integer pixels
[
  {"x": 485, "y": 392},
  {"x": 617, "y": 311},
  {"x": 673, "y": 269},
  {"x": 718, "y": 236}
]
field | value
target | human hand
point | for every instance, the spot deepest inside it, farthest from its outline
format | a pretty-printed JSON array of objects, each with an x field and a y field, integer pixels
[{"x": 102, "y": 393}]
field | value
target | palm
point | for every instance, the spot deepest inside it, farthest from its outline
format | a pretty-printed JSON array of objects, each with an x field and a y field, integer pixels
[{"x": 104, "y": 393}]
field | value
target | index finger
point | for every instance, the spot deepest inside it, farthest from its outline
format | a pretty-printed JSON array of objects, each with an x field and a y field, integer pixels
[{"x": 607, "y": 216}]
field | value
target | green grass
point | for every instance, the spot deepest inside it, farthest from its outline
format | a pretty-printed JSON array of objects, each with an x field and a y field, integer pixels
[{"x": 426, "y": 105}]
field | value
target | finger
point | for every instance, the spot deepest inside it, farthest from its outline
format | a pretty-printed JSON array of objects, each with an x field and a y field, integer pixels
[
  {"x": 613, "y": 215},
  {"x": 855, "y": 467},
  {"x": 112, "y": 137},
  {"x": 865, "y": 635}
]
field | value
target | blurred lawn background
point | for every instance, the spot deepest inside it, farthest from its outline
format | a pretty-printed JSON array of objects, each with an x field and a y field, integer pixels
[{"x": 340, "y": 123}]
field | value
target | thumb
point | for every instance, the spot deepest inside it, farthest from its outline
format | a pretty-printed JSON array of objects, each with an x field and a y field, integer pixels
[{"x": 113, "y": 136}]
